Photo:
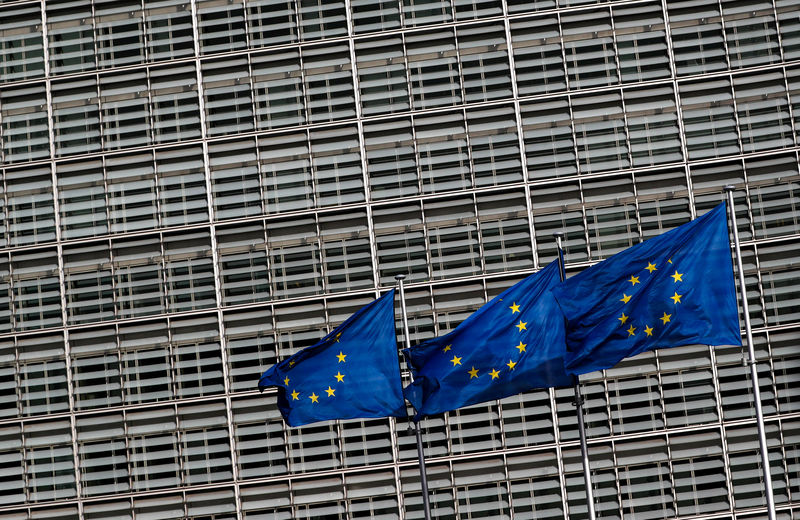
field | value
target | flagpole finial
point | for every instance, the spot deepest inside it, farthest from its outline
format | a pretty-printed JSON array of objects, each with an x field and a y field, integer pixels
[
  {"x": 558, "y": 234},
  {"x": 729, "y": 187},
  {"x": 399, "y": 277}
]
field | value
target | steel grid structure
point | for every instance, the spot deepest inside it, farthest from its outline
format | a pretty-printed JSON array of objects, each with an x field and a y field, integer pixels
[{"x": 192, "y": 189}]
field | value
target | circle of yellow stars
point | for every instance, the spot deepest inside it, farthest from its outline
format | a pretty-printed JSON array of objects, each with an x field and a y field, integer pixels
[
  {"x": 666, "y": 318},
  {"x": 341, "y": 357}
]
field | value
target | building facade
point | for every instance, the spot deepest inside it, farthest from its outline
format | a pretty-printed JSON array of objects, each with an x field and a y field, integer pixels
[{"x": 193, "y": 189}]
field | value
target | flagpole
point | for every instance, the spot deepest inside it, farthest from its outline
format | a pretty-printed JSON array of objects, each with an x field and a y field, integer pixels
[
  {"x": 420, "y": 455},
  {"x": 587, "y": 476},
  {"x": 751, "y": 361}
]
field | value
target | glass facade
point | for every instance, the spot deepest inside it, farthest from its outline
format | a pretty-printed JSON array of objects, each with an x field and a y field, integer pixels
[{"x": 191, "y": 190}]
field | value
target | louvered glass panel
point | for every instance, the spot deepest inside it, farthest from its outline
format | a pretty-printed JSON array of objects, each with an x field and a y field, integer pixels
[
  {"x": 557, "y": 208},
  {"x": 600, "y": 135},
  {"x": 322, "y": 19},
  {"x": 168, "y": 28},
  {"x": 70, "y": 35},
  {"x": 549, "y": 141},
  {"x": 485, "y": 69},
  {"x": 442, "y": 152},
  {"x": 294, "y": 259},
  {"x": 336, "y": 161},
  {"x": 780, "y": 280},
  {"x": 176, "y": 107},
  {"x": 644, "y": 478},
  {"x": 250, "y": 339},
  {"x": 452, "y": 237},
  {"x": 96, "y": 373},
  {"x": 36, "y": 292},
  {"x": 205, "y": 448},
  {"x": 88, "y": 283},
  {"x": 49, "y": 466},
  {"x": 641, "y": 42},
  {"x": 189, "y": 268},
  {"x": 131, "y": 192},
  {"x": 258, "y": 433},
  {"x": 21, "y": 48},
  {"x": 76, "y": 116},
  {"x": 138, "y": 276},
  {"x": 30, "y": 215},
  {"x": 775, "y": 204},
  {"x": 426, "y": 12},
  {"x": 12, "y": 466},
  {"x": 197, "y": 355},
  {"x": 82, "y": 201},
  {"x": 120, "y": 32},
  {"x": 434, "y": 70},
  {"x": 789, "y": 27},
  {"x": 699, "y": 473},
  {"x": 328, "y": 77},
  {"x": 391, "y": 161},
  {"x": 612, "y": 227},
  {"x": 243, "y": 263},
  {"x": 697, "y": 39},
  {"x": 537, "y": 55},
  {"x": 24, "y": 123},
  {"x": 42, "y": 374},
  {"x": 102, "y": 455},
  {"x": 589, "y": 49},
  {"x": 708, "y": 119},
  {"x": 6, "y": 320},
  {"x": 652, "y": 126},
  {"x": 145, "y": 356},
  {"x": 535, "y": 487},
  {"x": 763, "y": 111},
  {"x": 286, "y": 172},
  {"x": 236, "y": 189},
  {"x": 746, "y": 480},
  {"x": 505, "y": 233},
  {"x": 383, "y": 86},
  {"x": 278, "y": 86},
  {"x": 369, "y": 15},
  {"x": 153, "y": 452},
  {"x": 181, "y": 186},
  {"x": 346, "y": 251},
  {"x": 228, "y": 97},
  {"x": 400, "y": 242},
  {"x": 750, "y": 32},
  {"x": 221, "y": 25},
  {"x": 494, "y": 146},
  {"x": 125, "y": 110},
  {"x": 271, "y": 22}
]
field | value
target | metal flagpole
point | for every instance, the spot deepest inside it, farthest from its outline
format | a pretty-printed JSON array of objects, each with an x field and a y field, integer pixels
[
  {"x": 587, "y": 476},
  {"x": 751, "y": 361},
  {"x": 420, "y": 455}
]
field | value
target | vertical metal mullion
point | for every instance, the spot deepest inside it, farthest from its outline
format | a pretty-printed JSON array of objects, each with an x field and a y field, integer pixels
[
  {"x": 723, "y": 443},
  {"x": 72, "y": 426}
]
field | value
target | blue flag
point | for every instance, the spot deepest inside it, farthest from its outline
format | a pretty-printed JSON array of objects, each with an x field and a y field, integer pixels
[
  {"x": 674, "y": 289},
  {"x": 512, "y": 344},
  {"x": 352, "y": 372}
]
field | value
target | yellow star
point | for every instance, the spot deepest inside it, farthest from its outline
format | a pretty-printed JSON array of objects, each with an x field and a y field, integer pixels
[
  {"x": 456, "y": 360},
  {"x": 521, "y": 325},
  {"x": 337, "y": 337},
  {"x": 677, "y": 277},
  {"x": 631, "y": 331},
  {"x": 446, "y": 348},
  {"x": 634, "y": 280},
  {"x": 473, "y": 372},
  {"x": 291, "y": 363},
  {"x": 651, "y": 267},
  {"x": 341, "y": 357},
  {"x": 625, "y": 298},
  {"x": 676, "y": 298},
  {"x": 511, "y": 364},
  {"x": 314, "y": 397},
  {"x": 339, "y": 377},
  {"x": 286, "y": 381},
  {"x": 665, "y": 318},
  {"x": 295, "y": 395},
  {"x": 494, "y": 373},
  {"x": 514, "y": 308},
  {"x": 521, "y": 347},
  {"x": 648, "y": 330},
  {"x": 623, "y": 319},
  {"x": 669, "y": 261},
  {"x": 330, "y": 391}
]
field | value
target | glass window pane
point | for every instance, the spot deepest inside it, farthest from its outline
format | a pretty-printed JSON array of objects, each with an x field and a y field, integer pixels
[{"x": 21, "y": 48}]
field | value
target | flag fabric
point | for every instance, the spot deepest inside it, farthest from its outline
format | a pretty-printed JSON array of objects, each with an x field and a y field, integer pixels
[
  {"x": 353, "y": 372},
  {"x": 671, "y": 290},
  {"x": 512, "y": 344}
]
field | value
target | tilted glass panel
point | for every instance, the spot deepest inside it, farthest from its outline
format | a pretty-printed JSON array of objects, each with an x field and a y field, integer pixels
[
  {"x": 322, "y": 19},
  {"x": 250, "y": 341},
  {"x": 383, "y": 86},
  {"x": 453, "y": 303},
  {"x": 36, "y": 291},
  {"x": 442, "y": 152},
  {"x": 96, "y": 371},
  {"x": 29, "y": 196},
  {"x": 369, "y": 15},
  {"x": 108, "y": 510},
  {"x": 789, "y": 26},
  {"x": 644, "y": 478},
  {"x": 485, "y": 69},
  {"x": 558, "y": 208},
  {"x": 313, "y": 448},
  {"x": 527, "y": 419},
  {"x": 494, "y": 146},
  {"x": 153, "y": 449},
  {"x": 549, "y": 141},
  {"x": 221, "y": 25},
  {"x": 9, "y": 375},
  {"x": 228, "y": 98},
  {"x": 197, "y": 351},
  {"x": 391, "y": 161},
  {"x": 652, "y": 125},
  {"x": 589, "y": 49},
  {"x": 775, "y": 203},
  {"x": 189, "y": 268},
  {"x": 346, "y": 251},
  {"x": 535, "y": 486},
  {"x": 88, "y": 283},
  {"x": 612, "y": 228},
  {"x": 138, "y": 276},
  {"x": 441, "y": 498},
  {"x": 763, "y": 111},
  {"x": 81, "y": 199},
  {"x": 125, "y": 110},
  {"x": 168, "y": 27},
  {"x": 600, "y": 135},
  {"x": 793, "y": 82},
  {"x": 689, "y": 397},
  {"x": 294, "y": 257},
  {"x": 785, "y": 362},
  {"x": 176, "y": 107},
  {"x": 516, "y": 6},
  {"x": 259, "y": 436},
  {"x": 24, "y": 123},
  {"x": 152, "y": 507},
  {"x": 271, "y": 22},
  {"x": 205, "y": 448},
  {"x": 663, "y": 200},
  {"x": 706, "y": 179},
  {"x": 244, "y": 274},
  {"x": 595, "y": 406},
  {"x": 640, "y": 34},
  {"x": 21, "y": 47},
  {"x": 219, "y": 503},
  {"x": 336, "y": 163},
  {"x": 119, "y": 31},
  {"x": 372, "y": 495},
  {"x": 70, "y": 35},
  {"x": 453, "y": 237},
  {"x": 328, "y": 78},
  {"x": 698, "y": 471},
  {"x": 471, "y": 9},
  {"x": 400, "y": 242},
  {"x": 697, "y": 39},
  {"x": 780, "y": 279},
  {"x": 750, "y": 32},
  {"x": 505, "y": 232},
  {"x": 235, "y": 182},
  {"x": 744, "y": 455},
  {"x": 425, "y": 12},
  {"x": 131, "y": 192},
  {"x": 49, "y": 466},
  {"x": 42, "y": 374},
  {"x": 434, "y": 69},
  {"x": 145, "y": 354},
  {"x": 278, "y": 87},
  {"x": 6, "y": 310},
  {"x": 366, "y": 442},
  {"x": 475, "y": 428},
  {"x": 12, "y": 466},
  {"x": 285, "y": 165},
  {"x": 708, "y": 119},
  {"x": 181, "y": 186},
  {"x": 76, "y": 116},
  {"x": 266, "y": 499},
  {"x": 537, "y": 55},
  {"x": 102, "y": 455}
]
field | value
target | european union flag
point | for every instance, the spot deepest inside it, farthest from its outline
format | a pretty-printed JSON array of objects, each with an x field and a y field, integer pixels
[
  {"x": 674, "y": 289},
  {"x": 352, "y": 372},
  {"x": 512, "y": 344}
]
